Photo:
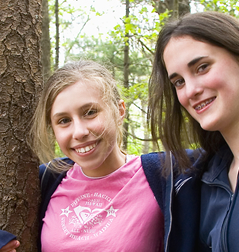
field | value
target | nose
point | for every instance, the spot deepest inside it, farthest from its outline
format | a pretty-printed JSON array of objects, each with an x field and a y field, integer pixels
[
  {"x": 80, "y": 129},
  {"x": 193, "y": 88}
]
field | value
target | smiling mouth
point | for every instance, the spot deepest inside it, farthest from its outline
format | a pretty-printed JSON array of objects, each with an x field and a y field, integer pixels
[
  {"x": 86, "y": 149},
  {"x": 203, "y": 104}
]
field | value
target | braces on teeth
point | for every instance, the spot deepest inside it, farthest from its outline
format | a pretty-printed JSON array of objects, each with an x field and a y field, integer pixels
[{"x": 203, "y": 104}]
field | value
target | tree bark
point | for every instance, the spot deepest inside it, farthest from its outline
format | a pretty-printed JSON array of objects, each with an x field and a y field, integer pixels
[
  {"x": 126, "y": 82},
  {"x": 177, "y": 7},
  {"x": 45, "y": 42},
  {"x": 20, "y": 83},
  {"x": 57, "y": 49}
]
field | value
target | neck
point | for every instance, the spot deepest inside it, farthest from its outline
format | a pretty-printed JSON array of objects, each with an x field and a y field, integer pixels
[
  {"x": 233, "y": 174},
  {"x": 114, "y": 161},
  {"x": 232, "y": 139}
]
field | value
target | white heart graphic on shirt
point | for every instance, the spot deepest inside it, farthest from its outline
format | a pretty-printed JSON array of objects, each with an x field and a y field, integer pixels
[{"x": 85, "y": 214}]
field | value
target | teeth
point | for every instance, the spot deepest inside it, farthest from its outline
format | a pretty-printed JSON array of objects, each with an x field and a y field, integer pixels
[
  {"x": 203, "y": 104},
  {"x": 85, "y": 149}
]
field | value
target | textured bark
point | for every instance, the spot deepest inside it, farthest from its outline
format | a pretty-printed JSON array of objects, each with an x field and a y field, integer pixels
[
  {"x": 177, "y": 7},
  {"x": 126, "y": 82},
  {"x": 57, "y": 49},
  {"x": 20, "y": 82},
  {"x": 45, "y": 42}
]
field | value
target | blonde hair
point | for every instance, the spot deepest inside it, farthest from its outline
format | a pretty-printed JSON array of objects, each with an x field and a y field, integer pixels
[{"x": 84, "y": 71}]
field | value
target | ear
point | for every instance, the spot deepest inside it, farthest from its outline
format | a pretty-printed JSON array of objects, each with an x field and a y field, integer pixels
[{"x": 121, "y": 111}]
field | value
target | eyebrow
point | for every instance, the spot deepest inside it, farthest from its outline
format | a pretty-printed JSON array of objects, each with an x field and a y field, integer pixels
[
  {"x": 194, "y": 61},
  {"x": 85, "y": 106},
  {"x": 190, "y": 64}
]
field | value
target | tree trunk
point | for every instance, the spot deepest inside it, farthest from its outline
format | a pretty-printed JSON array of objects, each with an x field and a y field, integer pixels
[
  {"x": 20, "y": 82},
  {"x": 126, "y": 82},
  {"x": 45, "y": 42},
  {"x": 145, "y": 148},
  {"x": 177, "y": 7},
  {"x": 57, "y": 35}
]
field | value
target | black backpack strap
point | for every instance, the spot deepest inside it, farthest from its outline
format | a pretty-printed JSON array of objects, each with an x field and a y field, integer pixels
[
  {"x": 152, "y": 164},
  {"x": 49, "y": 180},
  {"x": 48, "y": 177}
]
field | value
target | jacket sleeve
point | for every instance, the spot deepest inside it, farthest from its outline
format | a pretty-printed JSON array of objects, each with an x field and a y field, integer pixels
[{"x": 5, "y": 238}]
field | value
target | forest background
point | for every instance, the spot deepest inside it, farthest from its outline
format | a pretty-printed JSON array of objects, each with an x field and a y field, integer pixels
[
  {"x": 38, "y": 36},
  {"x": 121, "y": 35}
]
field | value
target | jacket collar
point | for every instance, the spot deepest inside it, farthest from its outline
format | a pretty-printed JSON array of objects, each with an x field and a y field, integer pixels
[{"x": 218, "y": 165}]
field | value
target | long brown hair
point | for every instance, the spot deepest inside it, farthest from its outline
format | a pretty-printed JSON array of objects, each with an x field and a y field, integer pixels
[{"x": 169, "y": 121}]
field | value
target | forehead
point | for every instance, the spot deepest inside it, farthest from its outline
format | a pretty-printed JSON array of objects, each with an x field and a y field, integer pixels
[
  {"x": 183, "y": 43},
  {"x": 181, "y": 50},
  {"x": 84, "y": 86},
  {"x": 79, "y": 92}
]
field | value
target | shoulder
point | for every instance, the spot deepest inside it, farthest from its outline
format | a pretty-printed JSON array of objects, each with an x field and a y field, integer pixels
[
  {"x": 152, "y": 166},
  {"x": 49, "y": 182},
  {"x": 49, "y": 178},
  {"x": 197, "y": 157},
  {"x": 192, "y": 177},
  {"x": 192, "y": 154},
  {"x": 153, "y": 160}
]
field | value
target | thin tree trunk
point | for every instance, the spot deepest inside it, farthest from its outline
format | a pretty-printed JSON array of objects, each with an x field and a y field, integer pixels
[
  {"x": 126, "y": 82},
  {"x": 57, "y": 34},
  {"x": 177, "y": 7},
  {"x": 145, "y": 148},
  {"x": 45, "y": 42}
]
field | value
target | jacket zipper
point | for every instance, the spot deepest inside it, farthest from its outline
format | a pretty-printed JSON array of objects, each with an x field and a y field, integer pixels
[
  {"x": 225, "y": 225},
  {"x": 170, "y": 203},
  {"x": 223, "y": 240}
]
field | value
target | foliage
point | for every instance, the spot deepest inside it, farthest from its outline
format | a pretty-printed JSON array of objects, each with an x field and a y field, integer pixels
[
  {"x": 70, "y": 18},
  {"x": 139, "y": 31},
  {"x": 58, "y": 151},
  {"x": 142, "y": 27},
  {"x": 227, "y": 6}
]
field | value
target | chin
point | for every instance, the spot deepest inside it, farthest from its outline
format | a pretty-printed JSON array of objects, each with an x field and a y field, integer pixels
[{"x": 209, "y": 127}]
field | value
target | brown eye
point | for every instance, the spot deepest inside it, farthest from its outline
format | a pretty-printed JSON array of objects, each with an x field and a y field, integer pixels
[
  {"x": 202, "y": 67},
  {"x": 64, "y": 121},
  {"x": 91, "y": 113},
  {"x": 178, "y": 83}
]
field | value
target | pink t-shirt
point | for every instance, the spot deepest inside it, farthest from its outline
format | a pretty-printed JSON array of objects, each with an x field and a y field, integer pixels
[{"x": 117, "y": 212}]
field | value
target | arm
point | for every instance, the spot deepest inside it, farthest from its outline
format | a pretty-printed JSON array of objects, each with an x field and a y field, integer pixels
[
  {"x": 11, "y": 246},
  {"x": 7, "y": 241}
]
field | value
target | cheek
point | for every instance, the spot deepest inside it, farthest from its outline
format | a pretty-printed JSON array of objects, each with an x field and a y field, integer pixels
[
  {"x": 60, "y": 137},
  {"x": 98, "y": 126},
  {"x": 182, "y": 98},
  {"x": 215, "y": 80},
  {"x": 105, "y": 127}
]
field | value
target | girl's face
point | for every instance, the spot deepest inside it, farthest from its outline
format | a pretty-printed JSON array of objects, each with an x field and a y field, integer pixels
[
  {"x": 83, "y": 130},
  {"x": 206, "y": 79}
]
